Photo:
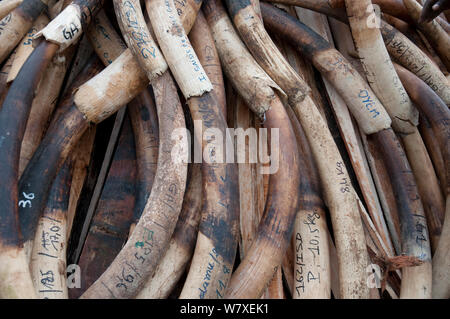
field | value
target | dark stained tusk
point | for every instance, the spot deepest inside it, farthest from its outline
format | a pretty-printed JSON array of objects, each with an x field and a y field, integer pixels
[
  {"x": 144, "y": 120},
  {"x": 217, "y": 238},
  {"x": 416, "y": 280},
  {"x": 47, "y": 94},
  {"x": 438, "y": 115},
  {"x": 109, "y": 226},
  {"x": 13, "y": 119},
  {"x": 276, "y": 226},
  {"x": 434, "y": 109},
  {"x": 432, "y": 9},
  {"x": 277, "y": 222},
  {"x": 80, "y": 12},
  {"x": 427, "y": 183},
  {"x": 139, "y": 257},
  {"x": 434, "y": 149},
  {"x": 336, "y": 8},
  {"x": 438, "y": 37},
  {"x": 323, "y": 6}
]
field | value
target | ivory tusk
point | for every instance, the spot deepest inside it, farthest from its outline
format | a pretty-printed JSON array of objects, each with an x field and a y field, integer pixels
[
  {"x": 48, "y": 258},
  {"x": 406, "y": 53},
  {"x": 139, "y": 257},
  {"x": 13, "y": 117},
  {"x": 133, "y": 27},
  {"x": 25, "y": 47},
  {"x": 433, "y": 31},
  {"x": 181, "y": 247},
  {"x": 325, "y": 152},
  {"x": 6, "y": 6},
  {"x": 108, "y": 228},
  {"x": 379, "y": 69},
  {"x": 434, "y": 150},
  {"x": 16, "y": 23},
  {"x": 411, "y": 57},
  {"x": 71, "y": 124},
  {"x": 217, "y": 240},
  {"x": 408, "y": 197},
  {"x": 181, "y": 58},
  {"x": 351, "y": 136},
  {"x": 276, "y": 205},
  {"x": 434, "y": 109},
  {"x": 312, "y": 264}
]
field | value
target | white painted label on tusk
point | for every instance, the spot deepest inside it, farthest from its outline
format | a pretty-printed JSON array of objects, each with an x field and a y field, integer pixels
[
  {"x": 183, "y": 62},
  {"x": 65, "y": 29}
]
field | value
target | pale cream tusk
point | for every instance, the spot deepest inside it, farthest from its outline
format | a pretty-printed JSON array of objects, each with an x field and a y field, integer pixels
[
  {"x": 274, "y": 64},
  {"x": 239, "y": 65},
  {"x": 16, "y": 283},
  {"x": 138, "y": 38},
  {"x": 114, "y": 87},
  {"x": 175, "y": 45},
  {"x": 378, "y": 66},
  {"x": 344, "y": 42},
  {"x": 14, "y": 25},
  {"x": 6, "y": 6},
  {"x": 179, "y": 252},
  {"x": 339, "y": 197},
  {"x": 411, "y": 57},
  {"x": 65, "y": 28}
]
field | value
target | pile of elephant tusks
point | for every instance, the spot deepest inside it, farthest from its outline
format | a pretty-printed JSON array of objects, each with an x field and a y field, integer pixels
[{"x": 282, "y": 149}]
